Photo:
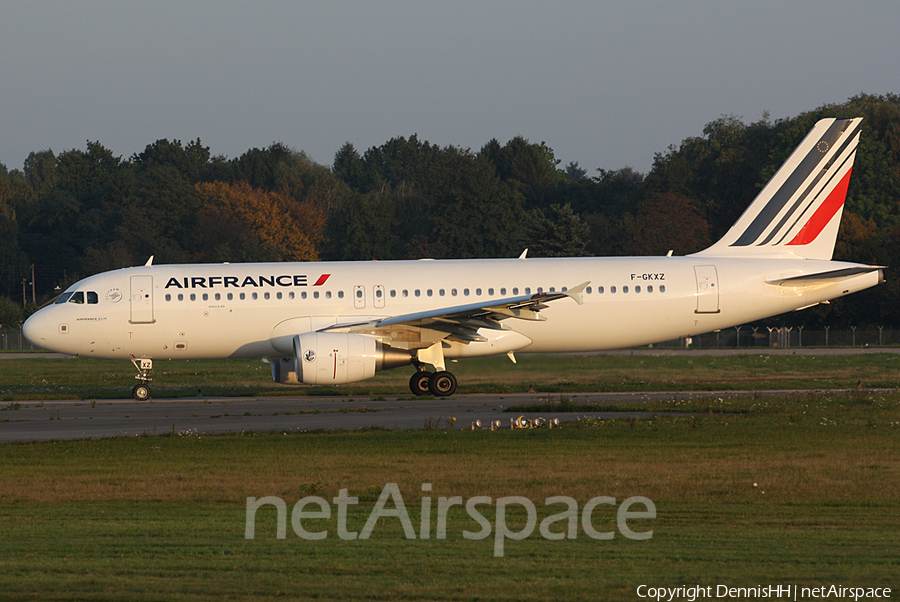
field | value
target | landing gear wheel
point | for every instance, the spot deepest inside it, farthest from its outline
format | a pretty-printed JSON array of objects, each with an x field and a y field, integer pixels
[
  {"x": 418, "y": 384},
  {"x": 141, "y": 392},
  {"x": 442, "y": 384}
]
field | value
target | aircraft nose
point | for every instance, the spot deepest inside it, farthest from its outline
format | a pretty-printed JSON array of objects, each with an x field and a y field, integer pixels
[{"x": 35, "y": 329}]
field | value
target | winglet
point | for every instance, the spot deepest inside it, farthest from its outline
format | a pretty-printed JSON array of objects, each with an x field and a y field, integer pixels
[{"x": 577, "y": 293}]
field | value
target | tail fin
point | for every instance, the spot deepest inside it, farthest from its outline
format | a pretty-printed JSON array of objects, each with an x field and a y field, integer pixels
[{"x": 798, "y": 212}]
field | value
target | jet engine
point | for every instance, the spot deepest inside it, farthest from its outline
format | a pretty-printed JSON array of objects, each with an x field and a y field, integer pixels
[{"x": 335, "y": 358}]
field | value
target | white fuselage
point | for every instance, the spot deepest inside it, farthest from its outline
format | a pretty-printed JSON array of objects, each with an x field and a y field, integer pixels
[{"x": 254, "y": 310}]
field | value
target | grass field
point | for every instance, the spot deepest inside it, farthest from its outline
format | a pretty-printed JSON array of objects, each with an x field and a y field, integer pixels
[
  {"x": 83, "y": 378},
  {"x": 164, "y": 518},
  {"x": 801, "y": 490}
]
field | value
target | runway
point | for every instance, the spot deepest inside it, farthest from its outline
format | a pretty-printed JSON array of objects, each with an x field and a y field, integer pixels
[{"x": 30, "y": 421}]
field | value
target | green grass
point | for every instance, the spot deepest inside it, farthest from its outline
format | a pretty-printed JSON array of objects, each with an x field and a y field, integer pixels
[
  {"x": 82, "y": 378},
  {"x": 801, "y": 490}
]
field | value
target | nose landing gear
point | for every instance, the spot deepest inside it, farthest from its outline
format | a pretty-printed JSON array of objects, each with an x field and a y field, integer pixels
[{"x": 141, "y": 391}]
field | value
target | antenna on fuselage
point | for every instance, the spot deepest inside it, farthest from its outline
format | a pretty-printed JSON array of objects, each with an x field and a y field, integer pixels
[{"x": 149, "y": 261}]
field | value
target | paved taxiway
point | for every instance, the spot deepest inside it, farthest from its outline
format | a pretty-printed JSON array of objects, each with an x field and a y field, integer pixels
[{"x": 79, "y": 419}]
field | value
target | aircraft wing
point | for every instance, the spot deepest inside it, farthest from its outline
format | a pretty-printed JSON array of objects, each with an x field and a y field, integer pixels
[{"x": 461, "y": 322}]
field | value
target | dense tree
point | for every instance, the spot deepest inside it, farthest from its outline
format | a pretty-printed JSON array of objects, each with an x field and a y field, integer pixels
[
  {"x": 189, "y": 161},
  {"x": 235, "y": 223},
  {"x": 473, "y": 212},
  {"x": 531, "y": 168},
  {"x": 560, "y": 234},
  {"x": 86, "y": 210},
  {"x": 11, "y": 313},
  {"x": 668, "y": 222}
]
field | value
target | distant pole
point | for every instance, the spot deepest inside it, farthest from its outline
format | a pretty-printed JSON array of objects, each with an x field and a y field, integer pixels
[
  {"x": 24, "y": 298},
  {"x": 33, "y": 298}
]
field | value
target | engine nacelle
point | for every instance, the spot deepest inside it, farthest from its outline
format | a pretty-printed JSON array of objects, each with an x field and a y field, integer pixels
[{"x": 336, "y": 358}]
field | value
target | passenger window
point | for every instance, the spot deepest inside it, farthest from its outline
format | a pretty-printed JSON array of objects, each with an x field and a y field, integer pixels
[
  {"x": 502, "y": 291},
  {"x": 466, "y": 292},
  {"x": 429, "y": 293},
  {"x": 77, "y": 297},
  {"x": 624, "y": 289},
  {"x": 218, "y": 296},
  {"x": 588, "y": 290},
  {"x": 254, "y": 296},
  {"x": 92, "y": 298},
  {"x": 491, "y": 292},
  {"x": 637, "y": 289},
  {"x": 649, "y": 288},
  {"x": 230, "y": 296},
  {"x": 340, "y": 295},
  {"x": 193, "y": 296},
  {"x": 316, "y": 295},
  {"x": 612, "y": 289},
  {"x": 168, "y": 297},
  {"x": 205, "y": 297},
  {"x": 662, "y": 288},
  {"x": 516, "y": 290},
  {"x": 243, "y": 296},
  {"x": 600, "y": 290},
  {"x": 327, "y": 295},
  {"x": 418, "y": 293},
  {"x": 527, "y": 290},
  {"x": 303, "y": 295},
  {"x": 180, "y": 297},
  {"x": 478, "y": 291}
]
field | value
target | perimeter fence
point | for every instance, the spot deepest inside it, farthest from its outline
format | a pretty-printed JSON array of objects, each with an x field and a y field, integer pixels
[
  {"x": 796, "y": 336},
  {"x": 12, "y": 339}
]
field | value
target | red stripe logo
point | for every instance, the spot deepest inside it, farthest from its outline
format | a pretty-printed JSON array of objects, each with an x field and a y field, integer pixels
[
  {"x": 824, "y": 213},
  {"x": 322, "y": 279}
]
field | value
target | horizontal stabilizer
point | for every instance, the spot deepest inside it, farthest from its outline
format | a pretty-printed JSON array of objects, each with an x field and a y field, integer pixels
[{"x": 830, "y": 276}]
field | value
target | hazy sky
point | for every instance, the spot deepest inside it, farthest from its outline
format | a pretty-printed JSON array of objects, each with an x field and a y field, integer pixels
[{"x": 607, "y": 84}]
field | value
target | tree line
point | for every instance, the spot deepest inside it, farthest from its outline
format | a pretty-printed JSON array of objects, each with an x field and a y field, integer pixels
[{"x": 68, "y": 215}]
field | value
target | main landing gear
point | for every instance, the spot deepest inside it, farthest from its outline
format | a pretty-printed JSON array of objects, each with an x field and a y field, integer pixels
[
  {"x": 439, "y": 384},
  {"x": 141, "y": 391}
]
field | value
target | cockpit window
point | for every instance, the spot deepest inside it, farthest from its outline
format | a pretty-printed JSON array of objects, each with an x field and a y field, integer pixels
[
  {"x": 62, "y": 298},
  {"x": 92, "y": 297},
  {"x": 77, "y": 297}
]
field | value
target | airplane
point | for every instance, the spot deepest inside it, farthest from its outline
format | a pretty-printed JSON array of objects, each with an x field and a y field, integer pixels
[{"x": 323, "y": 323}]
